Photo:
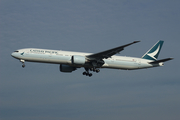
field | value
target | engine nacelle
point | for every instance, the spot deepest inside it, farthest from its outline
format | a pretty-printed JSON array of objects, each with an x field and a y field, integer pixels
[
  {"x": 66, "y": 68},
  {"x": 79, "y": 60}
]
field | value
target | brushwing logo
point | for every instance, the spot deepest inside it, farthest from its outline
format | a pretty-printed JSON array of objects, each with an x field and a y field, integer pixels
[
  {"x": 22, "y": 53},
  {"x": 154, "y": 53}
]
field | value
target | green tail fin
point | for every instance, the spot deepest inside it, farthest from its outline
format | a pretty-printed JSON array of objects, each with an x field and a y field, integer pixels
[{"x": 152, "y": 54}]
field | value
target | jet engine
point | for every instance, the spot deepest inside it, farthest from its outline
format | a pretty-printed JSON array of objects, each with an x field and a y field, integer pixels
[
  {"x": 79, "y": 60},
  {"x": 66, "y": 68}
]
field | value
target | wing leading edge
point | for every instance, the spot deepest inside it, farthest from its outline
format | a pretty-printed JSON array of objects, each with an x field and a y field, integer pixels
[{"x": 108, "y": 53}]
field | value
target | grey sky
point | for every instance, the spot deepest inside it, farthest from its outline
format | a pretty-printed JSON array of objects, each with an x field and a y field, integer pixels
[{"x": 42, "y": 92}]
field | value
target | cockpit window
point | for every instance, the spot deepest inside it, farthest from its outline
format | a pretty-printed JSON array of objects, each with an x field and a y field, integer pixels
[{"x": 16, "y": 51}]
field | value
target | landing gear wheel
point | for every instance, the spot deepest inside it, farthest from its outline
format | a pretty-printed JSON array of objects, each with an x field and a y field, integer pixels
[
  {"x": 23, "y": 65},
  {"x": 87, "y": 72},
  {"x": 84, "y": 73},
  {"x": 97, "y": 70},
  {"x": 90, "y": 74}
]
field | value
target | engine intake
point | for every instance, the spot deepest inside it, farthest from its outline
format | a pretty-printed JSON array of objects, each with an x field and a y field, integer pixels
[{"x": 79, "y": 60}]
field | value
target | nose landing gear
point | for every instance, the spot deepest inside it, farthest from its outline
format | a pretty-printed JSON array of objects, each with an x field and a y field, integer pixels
[
  {"x": 23, "y": 65},
  {"x": 23, "y": 62}
]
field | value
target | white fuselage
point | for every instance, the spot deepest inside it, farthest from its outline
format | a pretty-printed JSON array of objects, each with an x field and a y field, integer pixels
[{"x": 65, "y": 57}]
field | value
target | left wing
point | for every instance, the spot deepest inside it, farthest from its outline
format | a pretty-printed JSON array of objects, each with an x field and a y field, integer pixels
[{"x": 108, "y": 53}]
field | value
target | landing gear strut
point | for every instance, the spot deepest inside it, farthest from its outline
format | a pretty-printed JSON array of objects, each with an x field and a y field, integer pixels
[{"x": 23, "y": 62}]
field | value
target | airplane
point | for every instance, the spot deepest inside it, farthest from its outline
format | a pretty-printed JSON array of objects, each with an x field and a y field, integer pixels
[{"x": 69, "y": 61}]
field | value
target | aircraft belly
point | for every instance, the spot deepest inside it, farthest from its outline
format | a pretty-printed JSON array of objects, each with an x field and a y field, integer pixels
[{"x": 121, "y": 65}]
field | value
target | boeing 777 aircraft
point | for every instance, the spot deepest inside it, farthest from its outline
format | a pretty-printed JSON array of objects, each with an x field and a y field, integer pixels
[{"x": 70, "y": 61}]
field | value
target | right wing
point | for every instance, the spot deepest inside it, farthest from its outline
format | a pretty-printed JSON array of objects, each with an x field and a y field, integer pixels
[{"x": 108, "y": 53}]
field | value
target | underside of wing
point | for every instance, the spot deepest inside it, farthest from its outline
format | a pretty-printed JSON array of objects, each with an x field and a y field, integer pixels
[{"x": 108, "y": 53}]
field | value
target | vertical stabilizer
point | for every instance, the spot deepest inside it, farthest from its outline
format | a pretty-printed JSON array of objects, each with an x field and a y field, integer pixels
[{"x": 152, "y": 54}]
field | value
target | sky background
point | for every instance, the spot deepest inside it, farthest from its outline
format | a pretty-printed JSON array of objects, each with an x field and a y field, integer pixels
[{"x": 41, "y": 92}]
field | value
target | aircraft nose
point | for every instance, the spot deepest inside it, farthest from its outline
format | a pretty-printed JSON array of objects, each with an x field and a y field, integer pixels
[{"x": 12, "y": 54}]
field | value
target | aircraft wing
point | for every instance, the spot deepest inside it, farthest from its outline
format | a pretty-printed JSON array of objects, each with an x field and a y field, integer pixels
[{"x": 108, "y": 53}]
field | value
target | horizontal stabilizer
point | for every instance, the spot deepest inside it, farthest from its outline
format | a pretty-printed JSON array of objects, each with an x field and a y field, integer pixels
[{"x": 162, "y": 60}]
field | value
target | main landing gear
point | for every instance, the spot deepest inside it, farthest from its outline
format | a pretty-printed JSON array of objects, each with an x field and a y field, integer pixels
[
  {"x": 23, "y": 63},
  {"x": 87, "y": 74},
  {"x": 91, "y": 69}
]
